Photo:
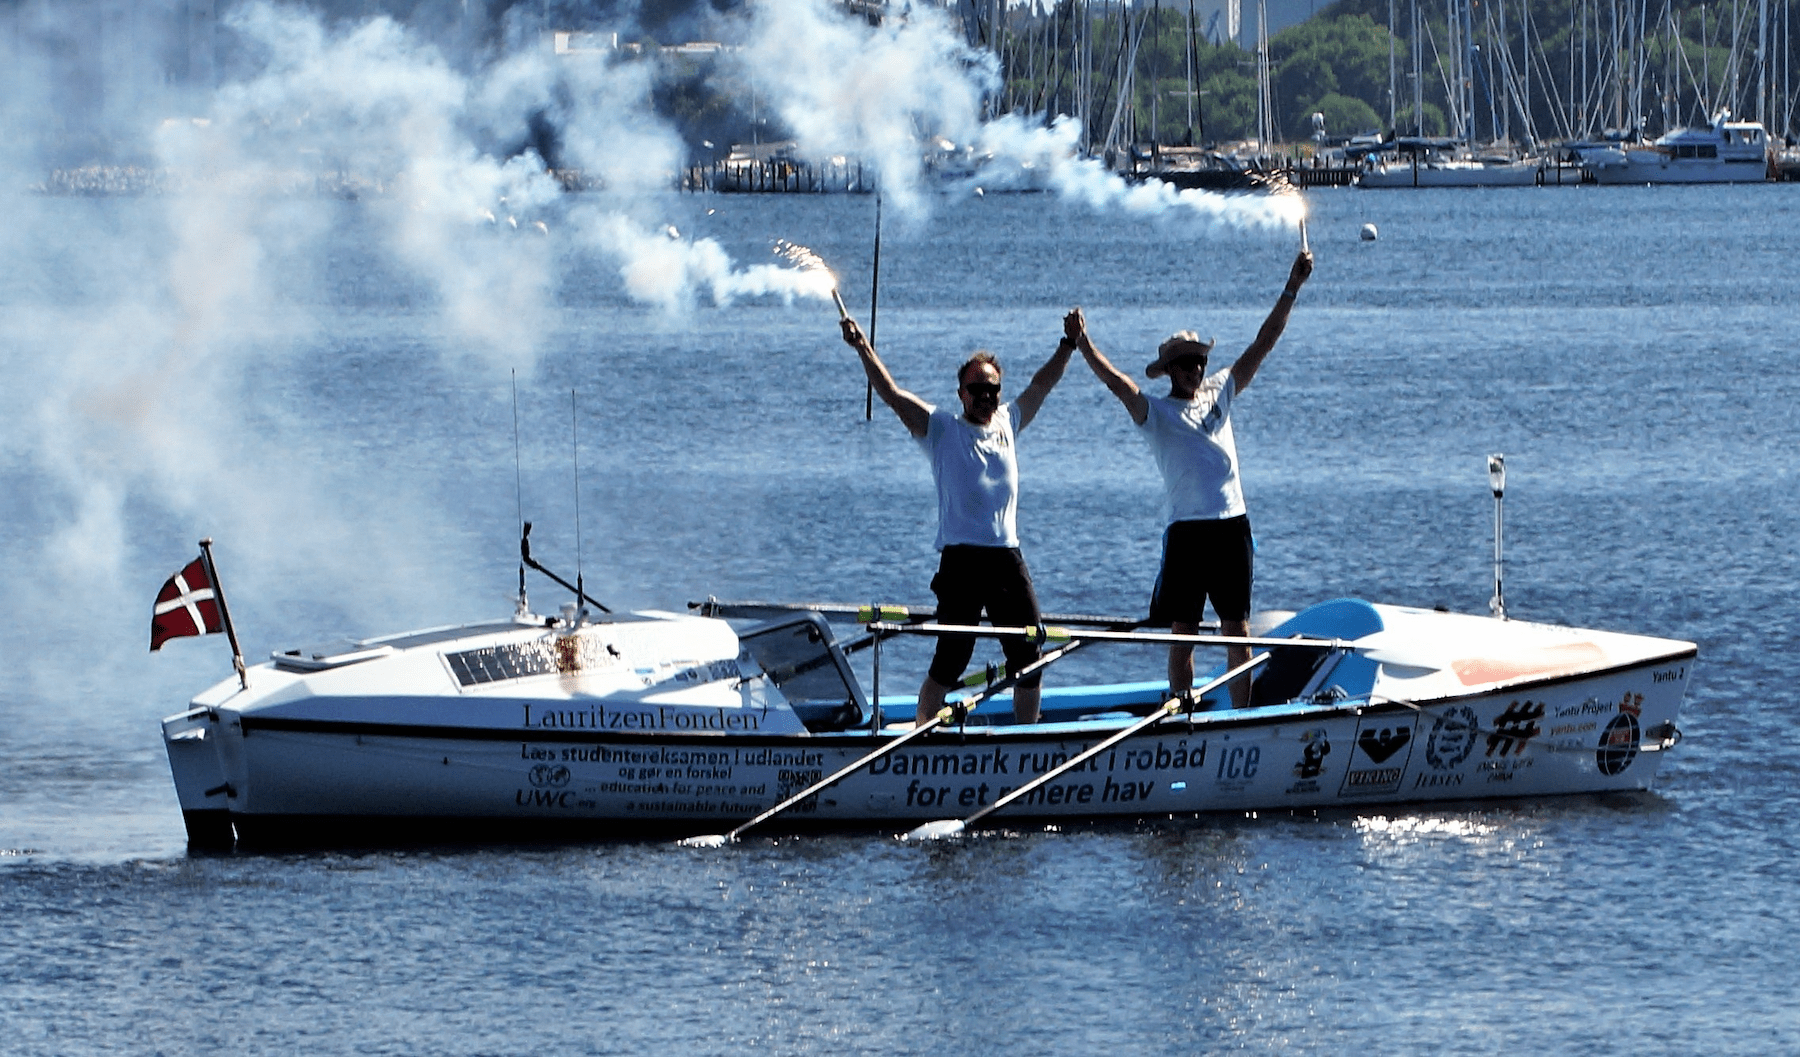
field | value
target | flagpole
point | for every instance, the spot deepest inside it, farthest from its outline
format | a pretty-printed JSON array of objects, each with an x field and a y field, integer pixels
[{"x": 212, "y": 573}]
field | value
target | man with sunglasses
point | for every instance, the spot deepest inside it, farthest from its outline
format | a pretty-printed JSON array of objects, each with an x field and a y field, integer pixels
[
  {"x": 1207, "y": 548},
  {"x": 974, "y": 462}
]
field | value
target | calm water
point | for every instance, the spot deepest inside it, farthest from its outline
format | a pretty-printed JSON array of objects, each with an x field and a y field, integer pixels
[{"x": 1630, "y": 350}]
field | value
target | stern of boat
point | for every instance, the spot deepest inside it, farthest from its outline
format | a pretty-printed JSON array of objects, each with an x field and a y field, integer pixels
[{"x": 191, "y": 739}]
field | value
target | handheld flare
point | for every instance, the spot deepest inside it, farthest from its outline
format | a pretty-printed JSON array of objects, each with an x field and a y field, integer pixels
[
  {"x": 806, "y": 261},
  {"x": 1304, "y": 248}
]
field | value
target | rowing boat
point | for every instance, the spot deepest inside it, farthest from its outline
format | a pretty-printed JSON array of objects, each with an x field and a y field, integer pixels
[{"x": 685, "y": 723}]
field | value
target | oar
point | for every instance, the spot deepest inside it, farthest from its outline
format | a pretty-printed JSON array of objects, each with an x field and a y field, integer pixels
[
  {"x": 947, "y": 714},
  {"x": 1052, "y": 633},
  {"x": 951, "y": 827},
  {"x": 898, "y": 614}
]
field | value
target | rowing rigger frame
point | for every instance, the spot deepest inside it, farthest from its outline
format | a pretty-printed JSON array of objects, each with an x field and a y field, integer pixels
[{"x": 881, "y": 621}]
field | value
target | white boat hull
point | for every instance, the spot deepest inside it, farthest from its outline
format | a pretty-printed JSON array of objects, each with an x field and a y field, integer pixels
[
  {"x": 1664, "y": 170},
  {"x": 286, "y": 778},
  {"x": 1724, "y": 152},
  {"x": 1452, "y": 175}
]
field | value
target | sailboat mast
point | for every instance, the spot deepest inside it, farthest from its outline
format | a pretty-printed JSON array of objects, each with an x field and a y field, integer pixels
[
  {"x": 1188, "y": 57},
  {"x": 1418, "y": 75},
  {"x": 1762, "y": 51},
  {"x": 1391, "y": 84},
  {"x": 1264, "y": 119}
]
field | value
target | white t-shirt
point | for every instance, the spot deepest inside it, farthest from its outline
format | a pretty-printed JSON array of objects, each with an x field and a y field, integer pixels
[
  {"x": 977, "y": 473},
  {"x": 1192, "y": 443}
]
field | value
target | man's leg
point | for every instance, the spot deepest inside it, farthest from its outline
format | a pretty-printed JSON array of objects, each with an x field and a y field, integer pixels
[
  {"x": 1181, "y": 659},
  {"x": 1013, "y": 603},
  {"x": 931, "y": 699},
  {"x": 1236, "y": 655},
  {"x": 1026, "y": 703},
  {"x": 1178, "y": 600},
  {"x": 958, "y": 589},
  {"x": 1231, "y": 599}
]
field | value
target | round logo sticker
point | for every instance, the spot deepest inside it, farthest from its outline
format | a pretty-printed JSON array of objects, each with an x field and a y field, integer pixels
[
  {"x": 1618, "y": 744},
  {"x": 1452, "y": 738}
]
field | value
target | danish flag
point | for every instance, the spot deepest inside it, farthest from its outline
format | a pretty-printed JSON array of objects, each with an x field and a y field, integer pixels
[{"x": 186, "y": 605}]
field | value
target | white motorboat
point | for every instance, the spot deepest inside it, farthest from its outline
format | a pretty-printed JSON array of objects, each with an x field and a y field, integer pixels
[
  {"x": 683, "y": 723},
  {"x": 1726, "y": 151}
]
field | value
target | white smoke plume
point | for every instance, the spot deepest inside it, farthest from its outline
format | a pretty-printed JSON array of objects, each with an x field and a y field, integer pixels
[
  {"x": 907, "y": 96},
  {"x": 1017, "y": 151},
  {"x": 879, "y": 93},
  {"x": 140, "y": 332}
]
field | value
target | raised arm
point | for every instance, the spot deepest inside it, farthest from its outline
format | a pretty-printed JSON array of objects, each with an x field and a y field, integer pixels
[
  {"x": 1114, "y": 379},
  {"x": 1246, "y": 366},
  {"x": 1045, "y": 379},
  {"x": 914, "y": 413}
]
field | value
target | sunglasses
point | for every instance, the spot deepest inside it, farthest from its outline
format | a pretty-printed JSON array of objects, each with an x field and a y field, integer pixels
[
  {"x": 1187, "y": 363},
  {"x": 980, "y": 390}
]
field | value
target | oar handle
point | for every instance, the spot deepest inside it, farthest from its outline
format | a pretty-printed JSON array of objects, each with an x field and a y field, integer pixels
[{"x": 1169, "y": 708}]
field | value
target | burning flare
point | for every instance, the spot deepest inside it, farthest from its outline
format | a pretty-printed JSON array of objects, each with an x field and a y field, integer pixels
[{"x": 817, "y": 277}]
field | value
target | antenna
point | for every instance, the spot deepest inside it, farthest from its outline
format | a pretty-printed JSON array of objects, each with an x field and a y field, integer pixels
[
  {"x": 519, "y": 498},
  {"x": 575, "y": 449},
  {"x": 1497, "y": 481}
]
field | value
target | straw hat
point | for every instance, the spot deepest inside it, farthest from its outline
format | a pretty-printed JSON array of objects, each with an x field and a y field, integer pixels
[{"x": 1181, "y": 343}]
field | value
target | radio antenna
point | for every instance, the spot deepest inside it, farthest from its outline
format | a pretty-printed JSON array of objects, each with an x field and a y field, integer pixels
[
  {"x": 1497, "y": 482},
  {"x": 519, "y": 494},
  {"x": 575, "y": 449}
]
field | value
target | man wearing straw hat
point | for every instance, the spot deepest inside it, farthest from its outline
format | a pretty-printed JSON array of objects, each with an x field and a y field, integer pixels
[
  {"x": 1208, "y": 551},
  {"x": 975, "y": 464}
]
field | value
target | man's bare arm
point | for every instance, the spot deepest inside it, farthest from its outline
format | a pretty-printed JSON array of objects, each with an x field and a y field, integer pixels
[
  {"x": 1045, "y": 380},
  {"x": 1114, "y": 379},
  {"x": 914, "y": 413},
  {"x": 1247, "y": 365}
]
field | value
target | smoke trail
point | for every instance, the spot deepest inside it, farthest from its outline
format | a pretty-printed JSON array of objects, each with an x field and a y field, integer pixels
[
  {"x": 910, "y": 90},
  {"x": 1022, "y": 152},
  {"x": 878, "y": 93}
]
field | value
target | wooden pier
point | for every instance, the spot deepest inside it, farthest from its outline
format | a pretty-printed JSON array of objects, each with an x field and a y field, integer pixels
[{"x": 777, "y": 176}]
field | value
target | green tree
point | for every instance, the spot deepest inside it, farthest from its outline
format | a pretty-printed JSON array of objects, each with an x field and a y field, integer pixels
[
  {"x": 1344, "y": 116},
  {"x": 1344, "y": 55},
  {"x": 1228, "y": 103}
]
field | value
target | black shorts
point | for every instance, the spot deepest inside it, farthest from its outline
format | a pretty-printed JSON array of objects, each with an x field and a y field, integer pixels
[
  {"x": 970, "y": 579},
  {"x": 1202, "y": 560}
]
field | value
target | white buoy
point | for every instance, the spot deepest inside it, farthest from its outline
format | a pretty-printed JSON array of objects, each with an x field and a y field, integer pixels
[{"x": 1369, "y": 234}]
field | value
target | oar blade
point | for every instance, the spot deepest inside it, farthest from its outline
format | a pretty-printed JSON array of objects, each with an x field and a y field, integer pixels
[
  {"x": 705, "y": 840},
  {"x": 939, "y": 830}
]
